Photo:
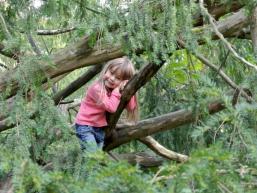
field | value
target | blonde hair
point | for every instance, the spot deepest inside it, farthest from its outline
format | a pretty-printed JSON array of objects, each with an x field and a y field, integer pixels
[{"x": 126, "y": 70}]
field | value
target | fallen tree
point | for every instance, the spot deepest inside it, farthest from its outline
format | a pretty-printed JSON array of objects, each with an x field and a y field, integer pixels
[{"x": 83, "y": 54}]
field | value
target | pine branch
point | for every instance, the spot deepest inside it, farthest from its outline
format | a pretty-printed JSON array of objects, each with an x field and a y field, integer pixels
[
  {"x": 220, "y": 35},
  {"x": 222, "y": 74}
]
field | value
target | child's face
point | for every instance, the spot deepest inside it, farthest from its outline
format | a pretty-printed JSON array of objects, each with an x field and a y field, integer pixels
[{"x": 112, "y": 79}]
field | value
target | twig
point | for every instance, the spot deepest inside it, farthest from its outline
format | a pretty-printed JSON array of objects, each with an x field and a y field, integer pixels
[
  {"x": 47, "y": 50},
  {"x": 75, "y": 103},
  {"x": 163, "y": 178},
  {"x": 224, "y": 61},
  {"x": 211, "y": 19},
  {"x": 156, "y": 175},
  {"x": 215, "y": 134},
  {"x": 113, "y": 156},
  {"x": 55, "y": 31},
  {"x": 242, "y": 139}
]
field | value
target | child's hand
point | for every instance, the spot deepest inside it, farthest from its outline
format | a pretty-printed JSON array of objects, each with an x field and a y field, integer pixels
[{"x": 122, "y": 85}]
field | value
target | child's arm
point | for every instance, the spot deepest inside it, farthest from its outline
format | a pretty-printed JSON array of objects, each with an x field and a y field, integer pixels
[{"x": 109, "y": 103}]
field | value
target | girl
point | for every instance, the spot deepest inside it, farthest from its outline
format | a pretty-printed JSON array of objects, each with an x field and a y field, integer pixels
[{"x": 104, "y": 96}]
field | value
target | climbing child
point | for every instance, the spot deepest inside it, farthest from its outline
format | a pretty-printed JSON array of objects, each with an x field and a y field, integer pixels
[{"x": 101, "y": 97}]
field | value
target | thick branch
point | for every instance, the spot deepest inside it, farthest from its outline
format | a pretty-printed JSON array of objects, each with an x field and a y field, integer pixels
[
  {"x": 162, "y": 151},
  {"x": 67, "y": 60},
  {"x": 132, "y": 88},
  {"x": 217, "y": 9},
  {"x": 148, "y": 127},
  {"x": 233, "y": 26}
]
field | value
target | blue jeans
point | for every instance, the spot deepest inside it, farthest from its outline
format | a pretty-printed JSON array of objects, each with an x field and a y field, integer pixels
[{"x": 91, "y": 138}]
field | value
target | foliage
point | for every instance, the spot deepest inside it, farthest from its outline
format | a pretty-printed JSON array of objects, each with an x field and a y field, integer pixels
[
  {"x": 42, "y": 154},
  {"x": 209, "y": 170}
]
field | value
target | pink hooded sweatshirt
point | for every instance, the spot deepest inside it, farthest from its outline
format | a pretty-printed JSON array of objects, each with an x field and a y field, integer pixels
[{"x": 92, "y": 111}]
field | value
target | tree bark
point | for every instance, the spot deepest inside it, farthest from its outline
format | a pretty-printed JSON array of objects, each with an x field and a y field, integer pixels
[
  {"x": 67, "y": 60},
  {"x": 126, "y": 133},
  {"x": 162, "y": 151},
  {"x": 217, "y": 10}
]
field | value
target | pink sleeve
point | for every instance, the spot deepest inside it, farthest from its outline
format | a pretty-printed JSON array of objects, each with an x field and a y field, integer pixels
[
  {"x": 132, "y": 103},
  {"x": 109, "y": 103}
]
